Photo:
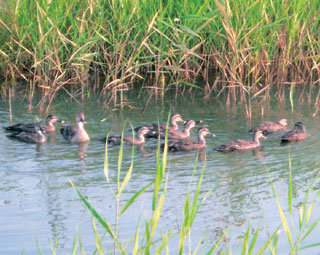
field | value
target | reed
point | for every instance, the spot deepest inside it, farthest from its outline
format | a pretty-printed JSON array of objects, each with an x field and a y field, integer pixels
[
  {"x": 247, "y": 49},
  {"x": 148, "y": 237}
]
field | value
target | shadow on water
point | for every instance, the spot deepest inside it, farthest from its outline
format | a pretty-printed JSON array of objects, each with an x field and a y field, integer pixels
[{"x": 35, "y": 178}]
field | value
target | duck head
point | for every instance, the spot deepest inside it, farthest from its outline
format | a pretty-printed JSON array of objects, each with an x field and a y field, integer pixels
[
  {"x": 299, "y": 126},
  {"x": 204, "y": 132},
  {"x": 80, "y": 118},
  {"x": 143, "y": 131},
  {"x": 283, "y": 122}
]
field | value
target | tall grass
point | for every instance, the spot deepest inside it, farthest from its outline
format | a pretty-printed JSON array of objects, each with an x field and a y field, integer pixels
[
  {"x": 245, "y": 48},
  {"x": 149, "y": 238}
]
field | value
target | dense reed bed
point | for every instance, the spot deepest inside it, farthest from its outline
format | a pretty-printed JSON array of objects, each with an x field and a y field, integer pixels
[{"x": 244, "y": 48}]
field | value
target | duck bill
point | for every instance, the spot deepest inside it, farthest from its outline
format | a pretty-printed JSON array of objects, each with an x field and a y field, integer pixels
[
  {"x": 198, "y": 122},
  {"x": 83, "y": 121},
  {"x": 213, "y": 135},
  {"x": 61, "y": 121}
]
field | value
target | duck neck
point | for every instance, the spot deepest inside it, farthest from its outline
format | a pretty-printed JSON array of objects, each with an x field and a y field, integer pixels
[
  {"x": 174, "y": 125},
  {"x": 255, "y": 139},
  {"x": 50, "y": 124},
  {"x": 80, "y": 129},
  {"x": 141, "y": 138},
  {"x": 186, "y": 131},
  {"x": 201, "y": 139}
]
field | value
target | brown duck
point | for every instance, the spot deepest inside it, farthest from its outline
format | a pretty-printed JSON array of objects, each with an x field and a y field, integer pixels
[
  {"x": 269, "y": 127},
  {"x": 31, "y": 127},
  {"x": 76, "y": 134},
  {"x": 181, "y": 135},
  {"x": 191, "y": 145},
  {"x": 155, "y": 127},
  {"x": 129, "y": 140},
  {"x": 31, "y": 137},
  {"x": 242, "y": 145},
  {"x": 296, "y": 134}
]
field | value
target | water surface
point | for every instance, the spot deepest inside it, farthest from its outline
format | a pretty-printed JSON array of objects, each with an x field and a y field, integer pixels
[{"x": 37, "y": 202}]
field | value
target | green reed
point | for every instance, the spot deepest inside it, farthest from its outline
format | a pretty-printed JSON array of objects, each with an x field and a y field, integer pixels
[
  {"x": 146, "y": 240},
  {"x": 245, "y": 48}
]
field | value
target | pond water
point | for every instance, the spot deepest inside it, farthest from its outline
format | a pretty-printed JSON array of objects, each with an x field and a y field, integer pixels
[{"x": 38, "y": 204}]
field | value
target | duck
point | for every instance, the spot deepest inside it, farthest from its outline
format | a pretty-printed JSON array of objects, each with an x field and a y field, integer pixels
[
  {"x": 31, "y": 137},
  {"x": 76, "y": 133},
  {"x": 242, "y": 145},
  {"x": 155, "y": 127},
  {"x": 31, "y": 127},
  {"x": 129, "y": 140},
  {"x": 296, "y": 134},
  {"x": 181, "y": 135},
  {"x": 269, "y": 127},
  {"x": 188, "y": 145}
]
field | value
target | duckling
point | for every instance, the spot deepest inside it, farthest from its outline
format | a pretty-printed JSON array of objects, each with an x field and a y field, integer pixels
[
  {"x": 51, "y": 119},
  {"x": 296, "y": 134},
  {"x": 175, "y": 118},
  {"x": 129, "y": 140},
  {"x": 181, "y": 135},
  {"x": 76, "y": 134},
  {"x": 191, "y": 145},
  {"x": 242, "y": 145},
  {"x": 269, "y": 127},
  {"x": 31, "y": 137}
]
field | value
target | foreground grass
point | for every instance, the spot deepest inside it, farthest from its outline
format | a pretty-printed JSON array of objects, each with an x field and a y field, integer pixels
[
  {"x": 148, "y": 237},
  {"x": 243, "y": 47}
]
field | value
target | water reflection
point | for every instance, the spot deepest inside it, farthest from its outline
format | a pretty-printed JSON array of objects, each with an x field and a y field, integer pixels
[{"x": 35, "y": 178}]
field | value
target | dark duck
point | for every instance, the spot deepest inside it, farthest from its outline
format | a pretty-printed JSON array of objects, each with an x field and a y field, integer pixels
[
  {"x": 187, "y": 145},
  {"x": 269, "y": 127},
  {"x": 31, "y": 127},
  {"x": 242, "y": 145},
  {"x": 31, "y": 137},
  {"x": 298, "y": 133},
  {"x": 76, "y": 133},
  {"x": 129, "y": 140}
]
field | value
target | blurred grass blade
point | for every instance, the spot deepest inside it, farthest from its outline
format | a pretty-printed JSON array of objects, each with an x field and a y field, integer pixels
[
  {"x": 135, "y": 197},
  {"x": 97, "y": 238}
]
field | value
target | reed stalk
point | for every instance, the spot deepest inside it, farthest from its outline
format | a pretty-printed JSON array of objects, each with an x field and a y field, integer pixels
[{"x": 239, "y": 47}]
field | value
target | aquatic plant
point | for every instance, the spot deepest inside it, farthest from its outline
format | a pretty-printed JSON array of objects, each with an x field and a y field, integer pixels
[
  {"x": 148, "y": 238},
  {"x": 244, "y": 48}
]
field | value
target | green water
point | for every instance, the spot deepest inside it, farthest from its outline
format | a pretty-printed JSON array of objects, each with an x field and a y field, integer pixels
[{"x": 38, "y": 203}]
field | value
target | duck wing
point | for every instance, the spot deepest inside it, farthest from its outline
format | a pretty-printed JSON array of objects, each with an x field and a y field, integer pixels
[
  {"x": 68, "y": 131},
  {"x": 294, "y": 135},
  {"x": 28, "y": 137},
  {"x": 22, "y": 127},
  {"x": 114, "y": 140}
]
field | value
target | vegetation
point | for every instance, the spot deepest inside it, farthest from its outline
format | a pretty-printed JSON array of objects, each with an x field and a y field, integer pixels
[
  {"x": 149, "y": 238},
  {"x": 243, "y": 48}
]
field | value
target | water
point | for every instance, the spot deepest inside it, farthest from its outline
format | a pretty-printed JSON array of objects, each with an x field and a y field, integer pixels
[{"x": 38, "y": 204}]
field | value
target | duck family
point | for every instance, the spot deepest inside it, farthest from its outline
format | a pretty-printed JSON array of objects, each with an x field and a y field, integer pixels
[{"x": 179, "y": 138}]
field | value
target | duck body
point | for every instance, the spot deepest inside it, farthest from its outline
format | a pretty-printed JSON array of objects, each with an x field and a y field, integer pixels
[
  {"x": 296, "y": 134},
  {"x": 156, "y": 128},
  {"x": 76, "y": 134},
  {"x": 129, "y": 140},
  {"x": 269, "y": 127},
  {"x": 191, "y": 145},
  {"x": 31, "y": 127},
  {"x": 242, "y": 145},
  {"x": 30, "y": 137},
  {"x": 181, "y": 135}
]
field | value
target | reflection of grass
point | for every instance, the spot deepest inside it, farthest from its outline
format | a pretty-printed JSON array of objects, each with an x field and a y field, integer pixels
[
  {"x": 244, "y": 46},
  {"x": 149, "y": 239}
]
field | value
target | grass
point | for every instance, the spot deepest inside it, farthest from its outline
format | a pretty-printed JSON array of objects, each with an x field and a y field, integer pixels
[
  {"x": 247, "y": 49},
  {"x": 148, "y": 238}
]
